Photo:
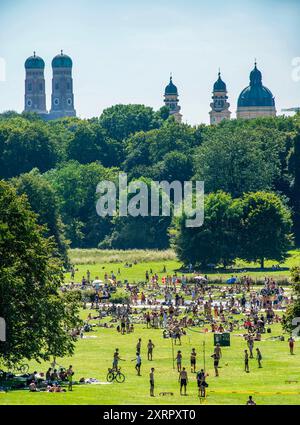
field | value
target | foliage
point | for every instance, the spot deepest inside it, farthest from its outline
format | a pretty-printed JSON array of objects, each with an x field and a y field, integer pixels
[
  {"x": 293, "y": 310},
  {"x": 216, "y": 240},
  {"x": 254, "y": 227},
  {"x": 43, "y": 201},
  {"x": 265, "y": 227},
  {"x": 38, "y": 318}
]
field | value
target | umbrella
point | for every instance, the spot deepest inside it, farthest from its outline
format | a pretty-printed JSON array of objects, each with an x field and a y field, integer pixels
[{"x": 231, "y": 280}]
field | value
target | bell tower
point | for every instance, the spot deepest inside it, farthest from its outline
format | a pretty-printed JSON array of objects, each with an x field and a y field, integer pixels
[
  {"x": 171, "y": 100},
  {"x": 219, "y": 106},
  {"x": 35, "y": 93},
  {"x": 62, "y": 99}
]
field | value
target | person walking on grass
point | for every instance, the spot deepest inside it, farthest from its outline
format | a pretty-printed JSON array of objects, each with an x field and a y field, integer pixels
[
  {"x": 150, "y": 347},
  {"x": 183, "y": 379},
  {"x": 70, "y": 374},
  {"x": 179, "y": 361},
  {"x": 138, "y": 345},
  {"x": 138, "y": 363},
  {"x": 259, "y": 357},
  {"x": 216, "y": 364},
  {"x": 291, "y": 344},
  {"x": 201, "y": 383},
  {"x": 218, "y": 350},
  {"x": 151, "y": 376},
  {"x": 246, "y": 360},
  {"x": 250, "y": 344},
  {"x": 193, "y": 360}
]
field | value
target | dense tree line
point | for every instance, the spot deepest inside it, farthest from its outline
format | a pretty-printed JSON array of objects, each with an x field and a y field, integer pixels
[
  {"x": 59, "y": 164},
  {"x": 254, "y": 227}
]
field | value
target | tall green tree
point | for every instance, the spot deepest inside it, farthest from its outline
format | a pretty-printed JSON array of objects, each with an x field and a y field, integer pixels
[
  {"x": 266, "y": 227},
  {"x": 44, "y": 202},
  {"x": 122, "y": 120},
  {"x": 25, "y": 145},
  {"x": 239, "y": 159},
  {"x": 216, "y": 241},
  {"x": 75, "y": 186},
  {"x": 39, "y": 319}
]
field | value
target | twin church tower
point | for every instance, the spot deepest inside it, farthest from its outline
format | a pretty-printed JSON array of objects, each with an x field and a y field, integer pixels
[
  {"x": 254, "y": 101},
  {"x": 62, "y": 98}
]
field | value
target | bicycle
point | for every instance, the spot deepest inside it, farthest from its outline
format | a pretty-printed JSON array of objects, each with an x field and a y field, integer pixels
[{"x": 115, "y": 375}]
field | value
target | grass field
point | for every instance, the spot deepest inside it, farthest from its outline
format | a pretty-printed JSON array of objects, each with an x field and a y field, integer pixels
[
  {"x": 93, "y": 357},
  {"x": 100, "y": 261}
]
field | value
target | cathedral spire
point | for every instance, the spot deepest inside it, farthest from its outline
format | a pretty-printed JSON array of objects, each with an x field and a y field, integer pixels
[
  {"x": 219, "y": 106},
  {"x": 171, "y": 99}
]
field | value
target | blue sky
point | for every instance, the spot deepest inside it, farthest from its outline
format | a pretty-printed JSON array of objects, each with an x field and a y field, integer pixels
[{"x": 124, "y": 50}]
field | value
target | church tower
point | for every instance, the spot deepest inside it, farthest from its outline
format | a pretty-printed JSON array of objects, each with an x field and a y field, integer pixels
[
  {"x": 256, "y": 100},
  {"x": 219, "y": 106},
  {"x": 35, "y": 94},
  {"x": 171, "y": 100},
  {"x": 62, "y": 99}
]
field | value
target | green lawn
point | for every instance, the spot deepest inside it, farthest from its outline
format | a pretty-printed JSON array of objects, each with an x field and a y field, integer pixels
[
  {"x": 100, "y": 261},
  {"x": 93, "y": 357}
]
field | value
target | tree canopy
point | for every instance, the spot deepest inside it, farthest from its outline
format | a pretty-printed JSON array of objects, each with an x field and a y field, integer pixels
[{"x": 40, "y": 319}]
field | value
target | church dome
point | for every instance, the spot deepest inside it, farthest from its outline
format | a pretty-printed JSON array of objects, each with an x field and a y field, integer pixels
[
  {"x": 219, "y": 84},
  {"x": 256, "y": 94},
  {"x": 171, "y": 88},
  {"x": 62, "y": 61},
  {"x": 34, "y": 62}
]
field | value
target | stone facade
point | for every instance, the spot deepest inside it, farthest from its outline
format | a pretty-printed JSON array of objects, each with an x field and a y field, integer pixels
[
  {"x": 219, "y": 106},
  {"x": 171, "y": 100},
  {"x": 62, "y": 98},
  {"x": 35, "y": 93},
  {"x": 255, "y": 112}
]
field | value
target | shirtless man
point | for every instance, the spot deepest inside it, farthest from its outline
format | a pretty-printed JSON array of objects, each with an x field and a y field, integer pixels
[
  {"x": 150, "y": 347},
  {"x": 151, "y": 376},
  {"x": 183, "y": 379},
  {"x": 179, "y": 360},
  {"x": 193, "y": 360}
]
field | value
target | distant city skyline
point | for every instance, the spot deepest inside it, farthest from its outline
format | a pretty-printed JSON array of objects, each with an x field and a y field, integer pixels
[{"x": 124, "y": 51}]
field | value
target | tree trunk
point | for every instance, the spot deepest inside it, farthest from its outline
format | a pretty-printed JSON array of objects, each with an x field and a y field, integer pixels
[{"x": 262, "y": 263}]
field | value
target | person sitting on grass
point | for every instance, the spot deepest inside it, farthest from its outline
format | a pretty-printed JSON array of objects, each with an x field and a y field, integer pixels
[
  {"x": 32, "y": 387},
  {"x": 250, "y": 401},
  {"x": 62, "y": 374},
  {"x": 54, "y": 376}
]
